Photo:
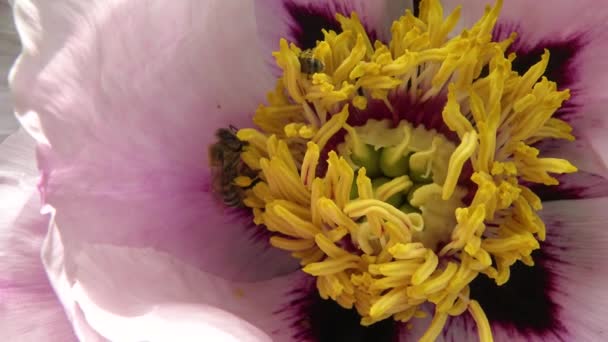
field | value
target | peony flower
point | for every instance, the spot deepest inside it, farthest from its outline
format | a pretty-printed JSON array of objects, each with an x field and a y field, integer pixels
[{"x": 437, "y": 176}]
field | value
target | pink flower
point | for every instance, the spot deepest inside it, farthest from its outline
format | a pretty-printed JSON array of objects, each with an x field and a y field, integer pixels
[{"x": 123, "y": 99}]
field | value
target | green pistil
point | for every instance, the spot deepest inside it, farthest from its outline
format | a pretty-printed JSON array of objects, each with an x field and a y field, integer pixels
[
  {"x": 421, "y": 176},
  {"x": 411, "y": 191},
  {"x": 383, "y": 164},
  {"x": 393, "y": 162},
  {"x": 366, "y": 156},
  {"x": 420, "y": 168}
]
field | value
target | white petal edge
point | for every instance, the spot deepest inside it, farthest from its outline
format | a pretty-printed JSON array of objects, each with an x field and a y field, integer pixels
[{"x": 30, "y": 310}]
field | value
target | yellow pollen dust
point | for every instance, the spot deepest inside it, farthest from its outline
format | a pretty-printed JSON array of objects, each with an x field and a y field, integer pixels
[{"x": 380, "y": 219}]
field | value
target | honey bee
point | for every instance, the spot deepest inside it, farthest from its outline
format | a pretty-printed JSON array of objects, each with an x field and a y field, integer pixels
[
  {"x": 308, "y": 64},
  {"x": 226, "y": 164}
]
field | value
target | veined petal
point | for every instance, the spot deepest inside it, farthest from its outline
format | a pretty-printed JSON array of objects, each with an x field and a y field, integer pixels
[
  {"x": 573, "y": 186},
  {"x": 124, "y": 98},
  {"x": 30, "y": 310},
  {"x": 301, "y": 21},
  {"x": 577, "y": 259},
  {"x": 9, "y": 49},
  {"x": 562, "y": 297},
  {"x": 580, "y": 153},
  {"x": 168, "y": 89},
  {"x": 575, "y": 35},
  {"x": 589, "y": 182},
  {"x": 594, "y": 130}
]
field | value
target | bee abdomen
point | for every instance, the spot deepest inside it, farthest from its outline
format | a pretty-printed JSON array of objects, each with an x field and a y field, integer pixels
[
  {"x": 226, "y": 164},
  {"x": 233, "y": 197},
  {"x": 309, "y": 64}
]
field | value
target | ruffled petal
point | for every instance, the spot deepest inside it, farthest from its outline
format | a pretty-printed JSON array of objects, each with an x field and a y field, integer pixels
[
  {"x": 140, "y": 294},
  {"x": 301, "y": 21},
  {"x": 124, "y": 98},
  {"x": 30, "y": 310},
  {"x": 575, "y": 34},
  {"x": 9, "y": 49}
]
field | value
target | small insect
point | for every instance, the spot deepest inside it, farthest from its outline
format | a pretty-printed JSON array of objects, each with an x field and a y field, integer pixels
[
  {"x": 226, "y": 164},
  {"x": 308, "y": 64}
]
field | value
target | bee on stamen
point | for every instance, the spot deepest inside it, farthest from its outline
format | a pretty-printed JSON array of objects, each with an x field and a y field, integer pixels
[
  {"x": 308, "y": 64},
  {"x": 226, "y": 164}
]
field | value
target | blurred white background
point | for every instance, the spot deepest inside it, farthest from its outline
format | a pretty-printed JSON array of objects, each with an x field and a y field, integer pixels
[{"x": 9, "y": 49}]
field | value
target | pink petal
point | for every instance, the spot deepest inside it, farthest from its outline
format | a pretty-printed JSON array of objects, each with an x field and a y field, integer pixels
[
  {"x": 30, "y": 310},
  {"x": 301, "y": 21},
  {"x": 579, "y": 258},
  {"x": 124, "y": 97},
  {"x": 579, "y": 152},
  {"x": 594, "y": 130},
  {"x": 136, "y": 294},
  {"x": 576, "y": 32}
]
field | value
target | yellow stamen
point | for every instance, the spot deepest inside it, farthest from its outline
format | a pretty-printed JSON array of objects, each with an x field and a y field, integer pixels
[
  {"x": 426, "y": 269},
  {"x": 408, "y": 250},
  {"x": 291, "y": 245},
  {"x": 463, "y": 153},
  {"x": 483, "y": 326},
  {"x": 331, "y": 266},
  {"x": 415, "y": 240},
  {"x": 397, "y": 185},
  {"x": 389, "y": 304},
  {"x": 435, "y": 329},
  {"x": 331, "y": 127}
]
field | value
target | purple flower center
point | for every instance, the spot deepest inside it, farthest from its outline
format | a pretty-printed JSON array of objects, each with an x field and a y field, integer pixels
[
  {"x": 308, "y": 21},
  {"x": 523, "y": 303}
]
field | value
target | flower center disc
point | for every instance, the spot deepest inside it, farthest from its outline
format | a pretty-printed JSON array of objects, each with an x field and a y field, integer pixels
[
  {"x": 382, "y": 213},
  {"x": 408, "y": 168}
]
